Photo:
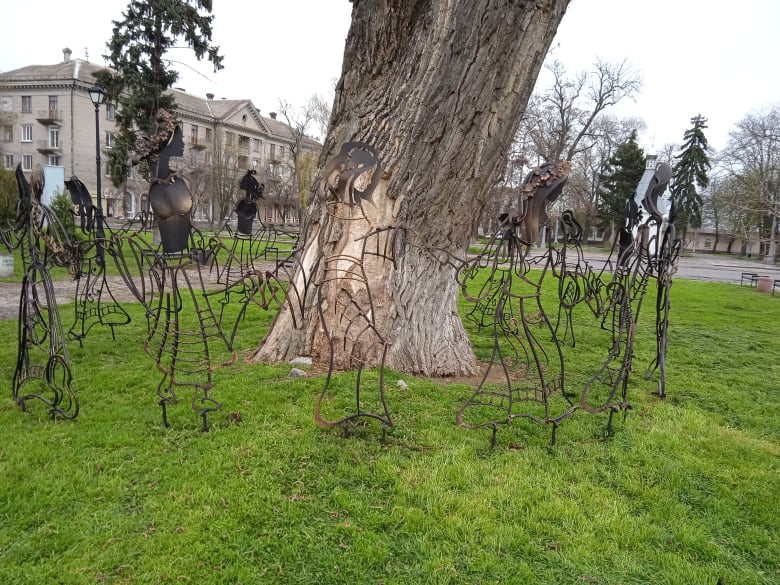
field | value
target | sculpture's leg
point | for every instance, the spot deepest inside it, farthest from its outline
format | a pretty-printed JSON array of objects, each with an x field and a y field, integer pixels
[{"x": 163, "y": 404}]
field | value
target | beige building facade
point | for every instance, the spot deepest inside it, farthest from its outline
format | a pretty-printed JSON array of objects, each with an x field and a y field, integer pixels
[{"x": 47, "y": 118}]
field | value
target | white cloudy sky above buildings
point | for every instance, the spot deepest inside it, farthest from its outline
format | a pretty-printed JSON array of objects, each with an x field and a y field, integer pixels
[{"x": 695, "y": 57}]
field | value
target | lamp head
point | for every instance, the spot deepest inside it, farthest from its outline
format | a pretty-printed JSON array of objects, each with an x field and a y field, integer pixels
[{"x": 96, "y": 94}]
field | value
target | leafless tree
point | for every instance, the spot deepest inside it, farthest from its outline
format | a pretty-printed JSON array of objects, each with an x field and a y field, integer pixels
[
  {"x": 293, "y": 182},
  {"x": 569, "y": 119},
  {"x": 224, "y": 176},
  {"x": 752, "y": 158},
  {"x": 560, "y": 119}
]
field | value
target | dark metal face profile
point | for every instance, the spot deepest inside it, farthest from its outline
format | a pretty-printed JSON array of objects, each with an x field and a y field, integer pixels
[
  {"x": 79, "y": 195},
  {"x": 656, "y": 188},
  {"x": 250, "y": 186},
  {"x": 353, "y": 174},
  {"x": 541, "y": 186}
]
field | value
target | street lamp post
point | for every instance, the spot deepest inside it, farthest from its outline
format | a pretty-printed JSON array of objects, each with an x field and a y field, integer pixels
[{"x": 96, "y": 94}]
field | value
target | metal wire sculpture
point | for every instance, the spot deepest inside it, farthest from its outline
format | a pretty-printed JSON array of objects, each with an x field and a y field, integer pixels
[
  {"x": 505, "y": 283},
  {"x": 42, "y": 365},
  {"x": 182, "y": 323},
  {"x": 664, "y": 260},
  {"x": 95, "y": 303},
  {"x": 346, "y": 311},
  {"x": 525, "y": 373}
]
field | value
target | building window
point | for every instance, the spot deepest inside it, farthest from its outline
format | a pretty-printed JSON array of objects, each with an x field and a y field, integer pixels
[
  {"x": 53, "y": 103},
  {"x": 26, "y": 162},
  {"x": 273, "y": 152},
  {"x": 8, "y": 161},
  {"x": 8, "y": 133},
  {"x": 110, "y": 112},
  {"x": 26, "y": 132},
  {"x": 281, "y": 152},
  {"x": 269, "y": 215},
  {"x": 208, "y": 158},
  {"x": 209, "y": 135},
  {"x": 54, "y": 160},
  {"x": 54, "y": 137},
  {"x": 230, "y": 138},
  {"x": 255, "y": 144},
  {"x": 109, "y": 139},
  {"x": 26, "y": 104},
  {"x": 708, "y": 243},
  {"x": 194, "y": 134},
  {"x": 193, "y": 157}
]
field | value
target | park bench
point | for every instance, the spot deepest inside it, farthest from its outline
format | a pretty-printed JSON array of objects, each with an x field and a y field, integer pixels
[{"x": 750, "y": 278}]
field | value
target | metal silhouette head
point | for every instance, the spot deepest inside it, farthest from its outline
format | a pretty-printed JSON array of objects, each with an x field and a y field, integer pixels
[{"x": 353, "y": 174}]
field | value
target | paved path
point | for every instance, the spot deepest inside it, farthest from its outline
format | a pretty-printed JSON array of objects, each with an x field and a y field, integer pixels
[{"x": 709, "y": 267}]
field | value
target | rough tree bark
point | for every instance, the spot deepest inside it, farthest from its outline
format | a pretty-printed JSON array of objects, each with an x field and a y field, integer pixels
[{"x": 438, "y": 88}]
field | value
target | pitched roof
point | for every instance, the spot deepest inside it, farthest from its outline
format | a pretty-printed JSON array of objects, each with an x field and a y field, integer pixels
[
  {"x": 67, "y": 70},
  {"x": 212, "y": 109}
]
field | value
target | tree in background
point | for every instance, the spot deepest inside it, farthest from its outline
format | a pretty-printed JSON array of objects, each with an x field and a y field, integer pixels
[
  {"x": 560, "y": 119},
  {"x": 9, "y": 194},
  {"x": 569, "y": 119},
  {"x": 689, "y": 177},
  {"x": 140, "y": 72},
  {"x": 294, "y": 185},
  {"x": 618, "y": 182},
  {"x": 437, "y": 88},
  {"x": 224, "y": 176},
  {"x": 752, "y": 159},
  {"x": 62, "y": 206}
]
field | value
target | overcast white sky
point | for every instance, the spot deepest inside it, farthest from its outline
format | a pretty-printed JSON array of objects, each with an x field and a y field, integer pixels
[{"x": 704, "y": 57}]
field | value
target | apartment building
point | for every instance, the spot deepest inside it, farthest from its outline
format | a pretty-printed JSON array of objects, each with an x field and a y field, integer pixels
[{"x": 47, "y": 118}]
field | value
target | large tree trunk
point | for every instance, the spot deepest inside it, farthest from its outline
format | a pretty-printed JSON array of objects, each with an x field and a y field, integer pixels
[{"x": 437, "y": 88}]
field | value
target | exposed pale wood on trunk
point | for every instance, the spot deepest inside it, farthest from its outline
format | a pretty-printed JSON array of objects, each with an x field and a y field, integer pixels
[{"x": 438, "y": 88}]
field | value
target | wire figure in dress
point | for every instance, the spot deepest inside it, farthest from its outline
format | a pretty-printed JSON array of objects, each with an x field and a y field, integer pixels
[
  {"x": 344, "y": 298},
  {"x": 42, "y": 365},
  {"x": 94, "y": 303},
  {"x": 184, "y": 332}
]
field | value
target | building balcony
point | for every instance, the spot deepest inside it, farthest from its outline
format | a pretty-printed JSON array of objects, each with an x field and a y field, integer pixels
[
  {"x": 44, "y": 147},
  {"x": 49, "y": 117},
  {"x": 196, "y": 143}
]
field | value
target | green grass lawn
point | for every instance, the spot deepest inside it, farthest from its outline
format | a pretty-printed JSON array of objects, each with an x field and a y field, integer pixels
[{"x": 686, "y": 491}]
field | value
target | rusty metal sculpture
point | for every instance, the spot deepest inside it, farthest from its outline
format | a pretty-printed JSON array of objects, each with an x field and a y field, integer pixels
[
  {"x": 530, "y": 353},
  {"x": 95, "y": 303},
  {"x": 42, "y": 364},
  {"x": 350, "y": 178},
  {"x": 183, "y": 326},
  {"x": 525, "y": 373},
  {"x": 665, "y": 255}
]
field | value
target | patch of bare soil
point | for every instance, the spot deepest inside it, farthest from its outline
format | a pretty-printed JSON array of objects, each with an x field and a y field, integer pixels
[{"x": 495, "y": 375}]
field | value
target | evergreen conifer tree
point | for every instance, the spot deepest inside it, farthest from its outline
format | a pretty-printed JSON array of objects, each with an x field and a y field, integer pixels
[
  {"x": 689, "y": 173},
  {"x": 141, "y": 74},
  {"x": 618, "y": 182}
]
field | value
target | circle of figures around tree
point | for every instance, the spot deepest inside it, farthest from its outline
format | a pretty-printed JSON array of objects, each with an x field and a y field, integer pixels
[{"x": 540, "y": 306}]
